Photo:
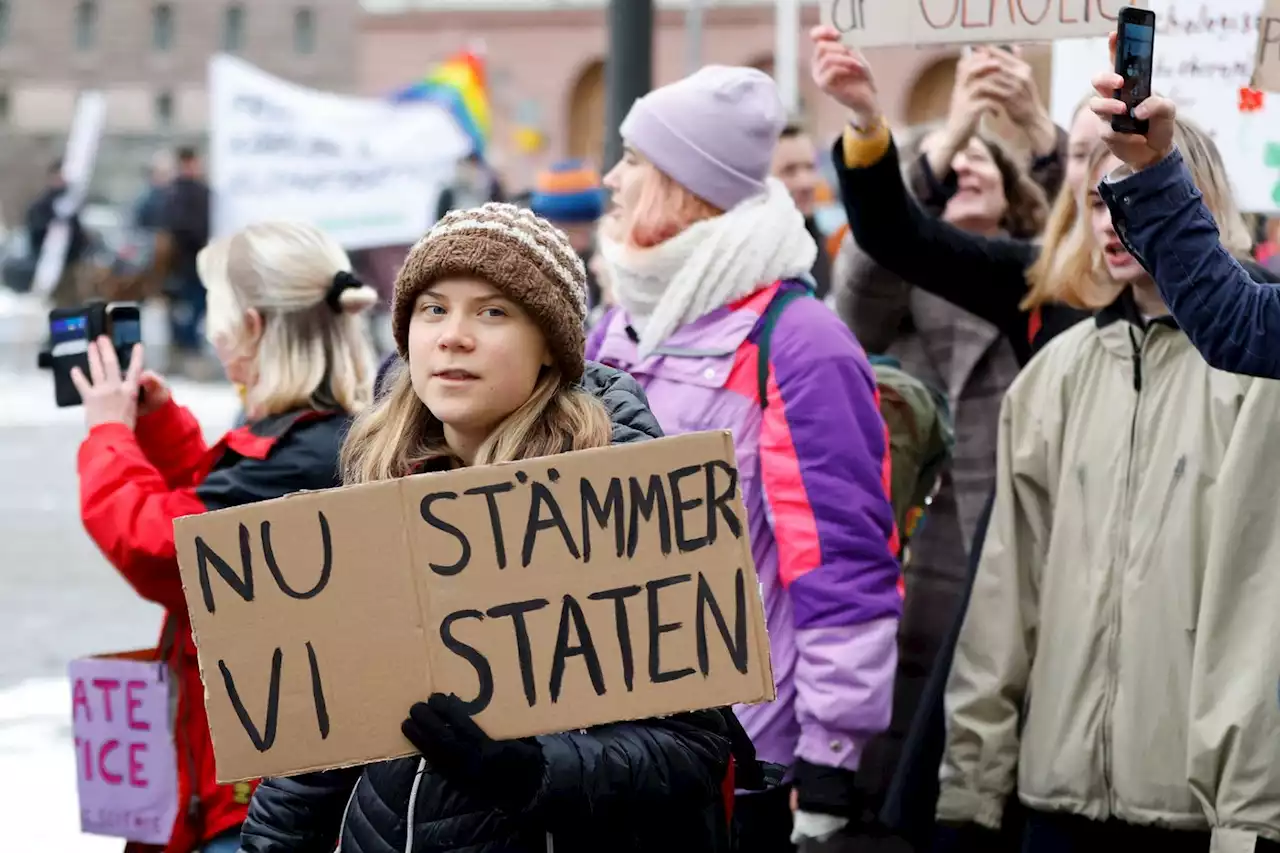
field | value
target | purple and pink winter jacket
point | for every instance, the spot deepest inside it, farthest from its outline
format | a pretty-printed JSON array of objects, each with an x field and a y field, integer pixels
[{"x": 814, "y": 469}]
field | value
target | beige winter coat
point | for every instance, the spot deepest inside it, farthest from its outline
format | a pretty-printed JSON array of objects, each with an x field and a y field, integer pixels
[{"x": 1126, "y": 610}]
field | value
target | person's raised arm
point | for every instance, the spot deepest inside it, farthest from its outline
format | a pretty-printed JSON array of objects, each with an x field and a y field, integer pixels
[
  {"x": 1024, "y": 107},
  {"x": 1160, "y": 215},
  {"x": 981, "y": 84},
  {"x": 983, "y": 276}
]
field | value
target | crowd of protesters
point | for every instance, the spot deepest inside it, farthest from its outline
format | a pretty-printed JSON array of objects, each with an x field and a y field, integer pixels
[{"x": 1050, "y": 632}]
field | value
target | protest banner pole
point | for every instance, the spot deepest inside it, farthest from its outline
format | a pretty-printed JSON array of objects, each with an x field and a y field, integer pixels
[
  {"x": 786, "y": 53},
  {"x": 629, "y": 70},
  {"x": 77, "y": 172}
]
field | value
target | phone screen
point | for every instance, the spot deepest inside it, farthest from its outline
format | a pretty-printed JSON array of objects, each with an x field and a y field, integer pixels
[
  {"x": 126, "y": 326},
  {"x": 1134, "y": 62},
  {"x": 126, "y": 332}
]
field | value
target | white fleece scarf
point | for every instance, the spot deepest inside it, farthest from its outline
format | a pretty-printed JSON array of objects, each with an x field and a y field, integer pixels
[{"x": 709, "y": 264}]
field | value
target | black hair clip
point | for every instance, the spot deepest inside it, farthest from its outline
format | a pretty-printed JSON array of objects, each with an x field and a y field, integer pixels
[{"x": 342, "y": 280}]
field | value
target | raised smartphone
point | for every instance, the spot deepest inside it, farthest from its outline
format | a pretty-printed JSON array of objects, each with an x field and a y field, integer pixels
[{"x": 1135, "y": 45}]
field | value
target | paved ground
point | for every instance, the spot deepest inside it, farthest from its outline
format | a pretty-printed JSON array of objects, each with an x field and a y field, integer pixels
[{"x": 58, "y": 598}]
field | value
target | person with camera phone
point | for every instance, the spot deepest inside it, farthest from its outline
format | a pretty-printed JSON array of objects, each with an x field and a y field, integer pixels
[
  {"x": 1233, "y": 320},
  {"x": 284, "y": 321}
]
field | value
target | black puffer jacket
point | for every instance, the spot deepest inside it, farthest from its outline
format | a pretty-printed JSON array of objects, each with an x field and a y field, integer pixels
[{"x": 653, "y": 785}]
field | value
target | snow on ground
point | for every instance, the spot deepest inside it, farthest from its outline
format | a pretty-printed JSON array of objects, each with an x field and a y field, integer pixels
[
  {"x": 38, "y": 800},
  {"x": 38, "y": 785}
]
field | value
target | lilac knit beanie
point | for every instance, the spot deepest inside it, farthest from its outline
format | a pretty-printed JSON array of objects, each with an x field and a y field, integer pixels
[{"x": 712, "y": 132}]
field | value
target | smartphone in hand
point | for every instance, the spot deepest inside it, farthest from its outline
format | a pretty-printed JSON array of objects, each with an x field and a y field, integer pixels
[{"x": 1135, "y": 45}]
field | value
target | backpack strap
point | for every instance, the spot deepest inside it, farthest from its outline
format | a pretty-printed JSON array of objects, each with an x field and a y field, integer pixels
[{"x": 764, "y": 342}]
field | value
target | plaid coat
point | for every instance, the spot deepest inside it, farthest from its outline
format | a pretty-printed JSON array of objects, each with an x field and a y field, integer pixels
[{"x": 971, "y": 361}]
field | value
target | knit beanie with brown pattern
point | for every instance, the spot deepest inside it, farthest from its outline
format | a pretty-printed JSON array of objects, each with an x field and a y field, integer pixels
[{"x": 522, "y": 255}]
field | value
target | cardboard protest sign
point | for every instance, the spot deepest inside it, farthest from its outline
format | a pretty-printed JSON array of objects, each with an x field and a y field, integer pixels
[
  {"x": 550, "y": 595},
  {"x": 1266, "y": 66},
  {"x": 885, "y": 23},
  {"x": 126, "y": 768}
]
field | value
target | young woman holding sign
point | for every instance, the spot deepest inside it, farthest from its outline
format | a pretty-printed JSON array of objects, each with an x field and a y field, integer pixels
[
  {"x": 283, "y": 319},
  {"x": 488, "y": 316}
]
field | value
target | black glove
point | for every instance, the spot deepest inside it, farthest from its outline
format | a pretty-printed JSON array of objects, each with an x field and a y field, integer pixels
[
  {"x": 505, "y": 773},
  {"x": 827, "y": 790},
  {"x": 965, "y": 838}
]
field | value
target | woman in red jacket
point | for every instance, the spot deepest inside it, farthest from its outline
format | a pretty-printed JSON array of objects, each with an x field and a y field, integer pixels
[{"x": 283, "y": 320}]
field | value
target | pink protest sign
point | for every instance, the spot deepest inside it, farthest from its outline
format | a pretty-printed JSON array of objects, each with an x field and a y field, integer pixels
[{"x": 126, "y": 768}]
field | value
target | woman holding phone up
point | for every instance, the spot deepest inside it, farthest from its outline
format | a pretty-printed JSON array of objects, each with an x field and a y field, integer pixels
[
  {"x": 1160, "y": 214},
  {"x": 284, "y": 320}
]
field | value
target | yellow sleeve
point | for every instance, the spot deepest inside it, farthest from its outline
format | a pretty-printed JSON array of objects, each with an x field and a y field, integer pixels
[{"x": 865, "y": 148}]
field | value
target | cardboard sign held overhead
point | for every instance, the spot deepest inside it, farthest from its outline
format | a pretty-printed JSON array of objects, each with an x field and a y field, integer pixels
[
  {"x": 887, "y": 23},
  {"x": 551, "y": 595}
]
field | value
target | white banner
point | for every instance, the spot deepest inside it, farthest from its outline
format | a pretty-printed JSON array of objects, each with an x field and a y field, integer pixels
[
  {"x": 77, "y": 172},
  {"x": 367, "y": 171},
  {"x": 1204, "y": 55}
]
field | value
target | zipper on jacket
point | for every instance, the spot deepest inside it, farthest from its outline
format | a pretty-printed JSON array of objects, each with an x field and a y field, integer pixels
[{"x": 1117, "y": 584}]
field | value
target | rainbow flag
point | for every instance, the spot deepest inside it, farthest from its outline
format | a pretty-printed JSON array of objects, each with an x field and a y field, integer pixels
[{"x": 458, "y": 85}]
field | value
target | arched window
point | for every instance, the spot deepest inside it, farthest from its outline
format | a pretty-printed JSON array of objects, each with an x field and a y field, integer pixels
[
  {"x": 587, "y": 114},
  {"x": 162, "y": 27},
  {"x": 233, "y": 29}
]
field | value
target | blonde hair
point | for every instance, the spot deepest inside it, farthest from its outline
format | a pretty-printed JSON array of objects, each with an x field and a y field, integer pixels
[
  {"x": 1045, "y": 280},
  {"x": 1085, "y": 280},
  {"x": 398, "y": 435},
  {"x": 309, "y": 355},
  {"x": 1049, "y": 277},
  {"x": 664, "y": 209}
]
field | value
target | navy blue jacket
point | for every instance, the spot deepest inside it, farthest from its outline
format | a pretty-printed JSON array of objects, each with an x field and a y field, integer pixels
[{"x": 1232, "y": 320}]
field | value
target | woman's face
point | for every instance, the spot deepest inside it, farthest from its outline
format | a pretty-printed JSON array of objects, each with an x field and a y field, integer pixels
[
  {"x": 474, "y": 357},
  {"x": 236, "y": 362},
  {"x": 237, "y": 347},
  {"x": 979, "y": 203},
  {"x": 625, "y": 183},
  {"x": 1122, "y": 266},
  {"x": 1086, "y": 130}
]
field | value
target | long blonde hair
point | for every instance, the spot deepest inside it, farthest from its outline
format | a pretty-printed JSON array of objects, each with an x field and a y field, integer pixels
[
  {"x": 1070, "y": 268},
  {"x": 1044, "y": 277},
  {"x": 399, "y": 435},
  {"x": 1086, "y": 283},
  {"x": 309, "y": 354}
]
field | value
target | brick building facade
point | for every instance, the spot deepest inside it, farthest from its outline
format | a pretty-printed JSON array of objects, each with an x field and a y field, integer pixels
[
  {"x": 546, "y": 64},
  {"x": 150, "y": 59}
]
